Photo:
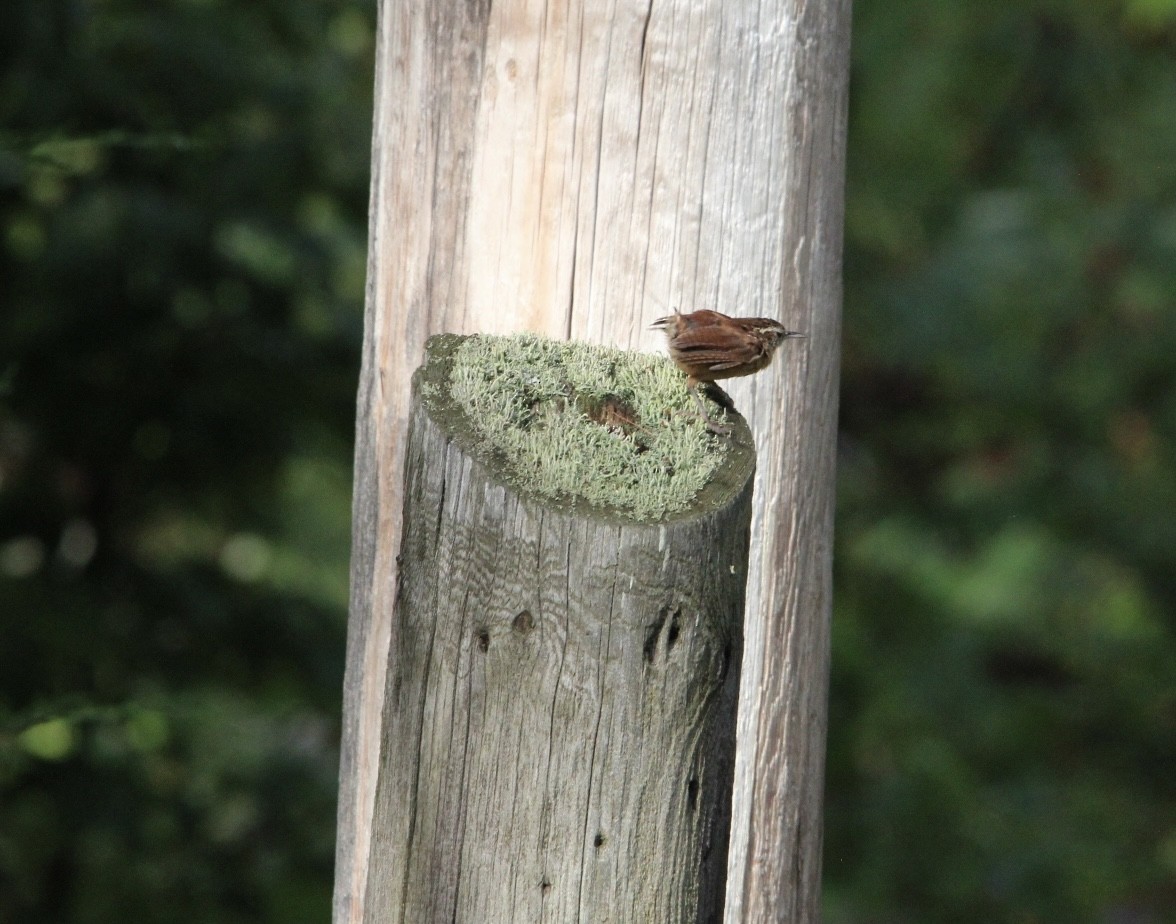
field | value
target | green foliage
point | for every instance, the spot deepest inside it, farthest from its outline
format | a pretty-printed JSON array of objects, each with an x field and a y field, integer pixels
[
  {"x": 1003, "y": 693},
  {"x": 574, "y": 421},
  {"x": 183, "y": 190}
]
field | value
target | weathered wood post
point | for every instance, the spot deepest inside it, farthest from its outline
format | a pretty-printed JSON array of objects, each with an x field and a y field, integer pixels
[
  {"x": 559, "y": 733},
  {"x": 579, "y": 169}
]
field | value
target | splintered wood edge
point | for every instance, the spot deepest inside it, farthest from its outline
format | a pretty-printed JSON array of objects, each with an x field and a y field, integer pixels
[{"x": 430, "y": 385}]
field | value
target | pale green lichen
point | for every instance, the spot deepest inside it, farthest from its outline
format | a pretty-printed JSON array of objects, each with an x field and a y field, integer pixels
[{"x": 573, "y": 421}]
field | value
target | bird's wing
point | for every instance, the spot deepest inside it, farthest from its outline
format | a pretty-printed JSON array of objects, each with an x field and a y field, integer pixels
[{"x": 714, "y": 348}]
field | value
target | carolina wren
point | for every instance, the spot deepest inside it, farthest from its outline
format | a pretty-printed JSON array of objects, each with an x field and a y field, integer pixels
[{"x": 708, "y": 346}]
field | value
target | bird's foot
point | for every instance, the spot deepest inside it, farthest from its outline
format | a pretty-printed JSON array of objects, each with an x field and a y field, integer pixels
[{"x": 714, "y": 427}]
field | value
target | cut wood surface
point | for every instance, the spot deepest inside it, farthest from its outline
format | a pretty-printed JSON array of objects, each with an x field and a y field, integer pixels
[
  {"x": 579, "y": 170},
  {"x": 559, "y": 733}
]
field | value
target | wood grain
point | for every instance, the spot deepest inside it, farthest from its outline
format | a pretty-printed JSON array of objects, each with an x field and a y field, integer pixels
[
  {"x": 559, "y": 733},
  {"x": 581, "y": 169},
  {"x": 774, "y": 872}
]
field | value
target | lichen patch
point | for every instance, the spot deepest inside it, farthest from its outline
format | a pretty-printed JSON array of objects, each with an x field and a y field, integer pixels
[{"x": 576, "y": 421}]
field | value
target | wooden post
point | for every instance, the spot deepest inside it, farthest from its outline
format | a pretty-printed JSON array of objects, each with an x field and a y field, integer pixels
[
  {"x": 579, "y": 169},
  {"x": 560, "y": 730},
  {"x": 774, "y": 873}
]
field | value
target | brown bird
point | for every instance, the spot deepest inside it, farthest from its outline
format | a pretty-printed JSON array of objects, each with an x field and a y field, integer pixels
[{"x": 708, "y": 346}]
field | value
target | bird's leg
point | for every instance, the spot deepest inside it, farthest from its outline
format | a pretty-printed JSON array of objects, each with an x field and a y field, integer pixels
[
  {"x": 718, "y": 396},
  {"x": 715, "y": 428}
]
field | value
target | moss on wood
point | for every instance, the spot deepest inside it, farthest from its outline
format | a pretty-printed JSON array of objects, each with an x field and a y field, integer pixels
[{"x": 584, "y": 426}]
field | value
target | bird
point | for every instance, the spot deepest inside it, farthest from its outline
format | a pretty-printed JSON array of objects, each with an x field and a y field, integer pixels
[{"x": 708, "y": 345}]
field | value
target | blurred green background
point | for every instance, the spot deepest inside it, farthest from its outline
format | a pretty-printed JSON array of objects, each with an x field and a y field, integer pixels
[{"x": 183, "y": 194}]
